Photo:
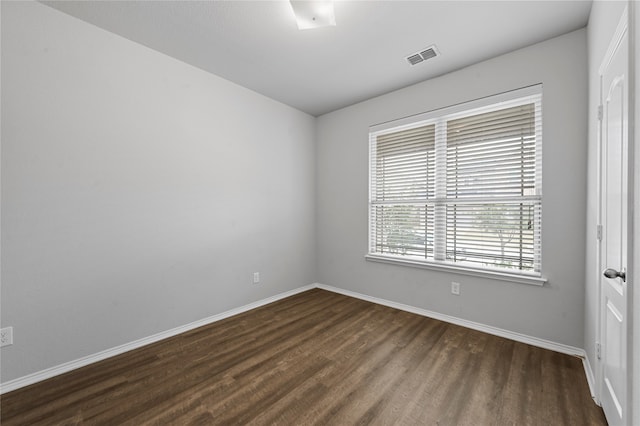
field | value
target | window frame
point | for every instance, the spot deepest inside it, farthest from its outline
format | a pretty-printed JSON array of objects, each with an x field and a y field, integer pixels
[{"x": 438, "y": 118}]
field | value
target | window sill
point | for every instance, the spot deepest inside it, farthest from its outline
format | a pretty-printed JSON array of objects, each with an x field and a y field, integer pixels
[{"x": 503, "y": 276}]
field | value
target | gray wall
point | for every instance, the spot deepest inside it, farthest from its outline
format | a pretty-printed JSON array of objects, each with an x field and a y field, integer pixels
[
  {"x": 555, "y": 311},
  {"x": 603, "y": 22},
  {"x": 138, "y": 193},
  {"x": 635, "y": 367}
]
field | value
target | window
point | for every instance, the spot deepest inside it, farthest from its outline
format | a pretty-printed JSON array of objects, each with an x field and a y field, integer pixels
[{"x": 460, "y": 187}]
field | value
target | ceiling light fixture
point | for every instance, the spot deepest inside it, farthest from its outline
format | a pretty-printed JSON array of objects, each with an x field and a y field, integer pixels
[{"x": 313, "y": 14}]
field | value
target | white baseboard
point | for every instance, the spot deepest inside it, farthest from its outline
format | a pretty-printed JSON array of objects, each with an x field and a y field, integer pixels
[
  {"x": 591, "y": 380},
  {"x": 518, "y": 337},
  {"x": 90, "y": 359}
]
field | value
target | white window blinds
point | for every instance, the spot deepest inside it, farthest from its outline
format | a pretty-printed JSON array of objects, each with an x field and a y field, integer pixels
[{"x": 461, "y": 186}]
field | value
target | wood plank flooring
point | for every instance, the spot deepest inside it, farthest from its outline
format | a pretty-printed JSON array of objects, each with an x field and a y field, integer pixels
[{"x": 318, "y": 358}]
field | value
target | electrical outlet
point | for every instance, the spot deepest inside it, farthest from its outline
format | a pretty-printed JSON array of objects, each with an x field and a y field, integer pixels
[
  {"x": 256, "y": 277},
  {"x": 6, "y": 336},
  {"x": 455, "y": 288}
]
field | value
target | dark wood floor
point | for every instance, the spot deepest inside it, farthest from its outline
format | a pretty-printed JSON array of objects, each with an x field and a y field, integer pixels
[{"x": 318, "y": 358}]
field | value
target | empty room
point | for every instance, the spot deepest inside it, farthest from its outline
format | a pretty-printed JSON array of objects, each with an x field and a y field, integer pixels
[{"x": 319, "y": 212}]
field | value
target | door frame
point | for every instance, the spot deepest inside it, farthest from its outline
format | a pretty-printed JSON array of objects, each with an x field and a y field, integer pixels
[
  {"x": 626, "y": 24},
  {"x": 634, "y": 176}
]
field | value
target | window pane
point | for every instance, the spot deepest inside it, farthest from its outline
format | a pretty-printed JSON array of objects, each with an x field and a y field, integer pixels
[
  {"x": 492, "y": 154},
  {"x": 496, "y": 235},
  {"x": 405, "y": 230},
  {"x": 404, "y": 166}
]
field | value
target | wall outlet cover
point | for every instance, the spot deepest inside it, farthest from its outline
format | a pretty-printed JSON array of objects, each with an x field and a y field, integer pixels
[
  {"x": 455, "y": 288},
  {"x": 6, "y": 336}
]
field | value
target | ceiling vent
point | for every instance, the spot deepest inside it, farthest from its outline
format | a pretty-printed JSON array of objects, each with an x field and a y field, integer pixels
[{"x": 423, "y": 55}]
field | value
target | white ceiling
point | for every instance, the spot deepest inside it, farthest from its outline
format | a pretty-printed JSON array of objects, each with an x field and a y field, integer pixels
[{"x": 257, "y": 44}]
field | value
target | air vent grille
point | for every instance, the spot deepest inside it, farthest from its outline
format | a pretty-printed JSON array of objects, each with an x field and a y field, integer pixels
[
  {"x": 423, "y": 55},
  {"x": 415, "y": 59},
  {"x": 428, "y": 54}
]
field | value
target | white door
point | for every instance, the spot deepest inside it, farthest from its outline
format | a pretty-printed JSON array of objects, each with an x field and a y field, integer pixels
[{"x": 613, "y": 248}]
